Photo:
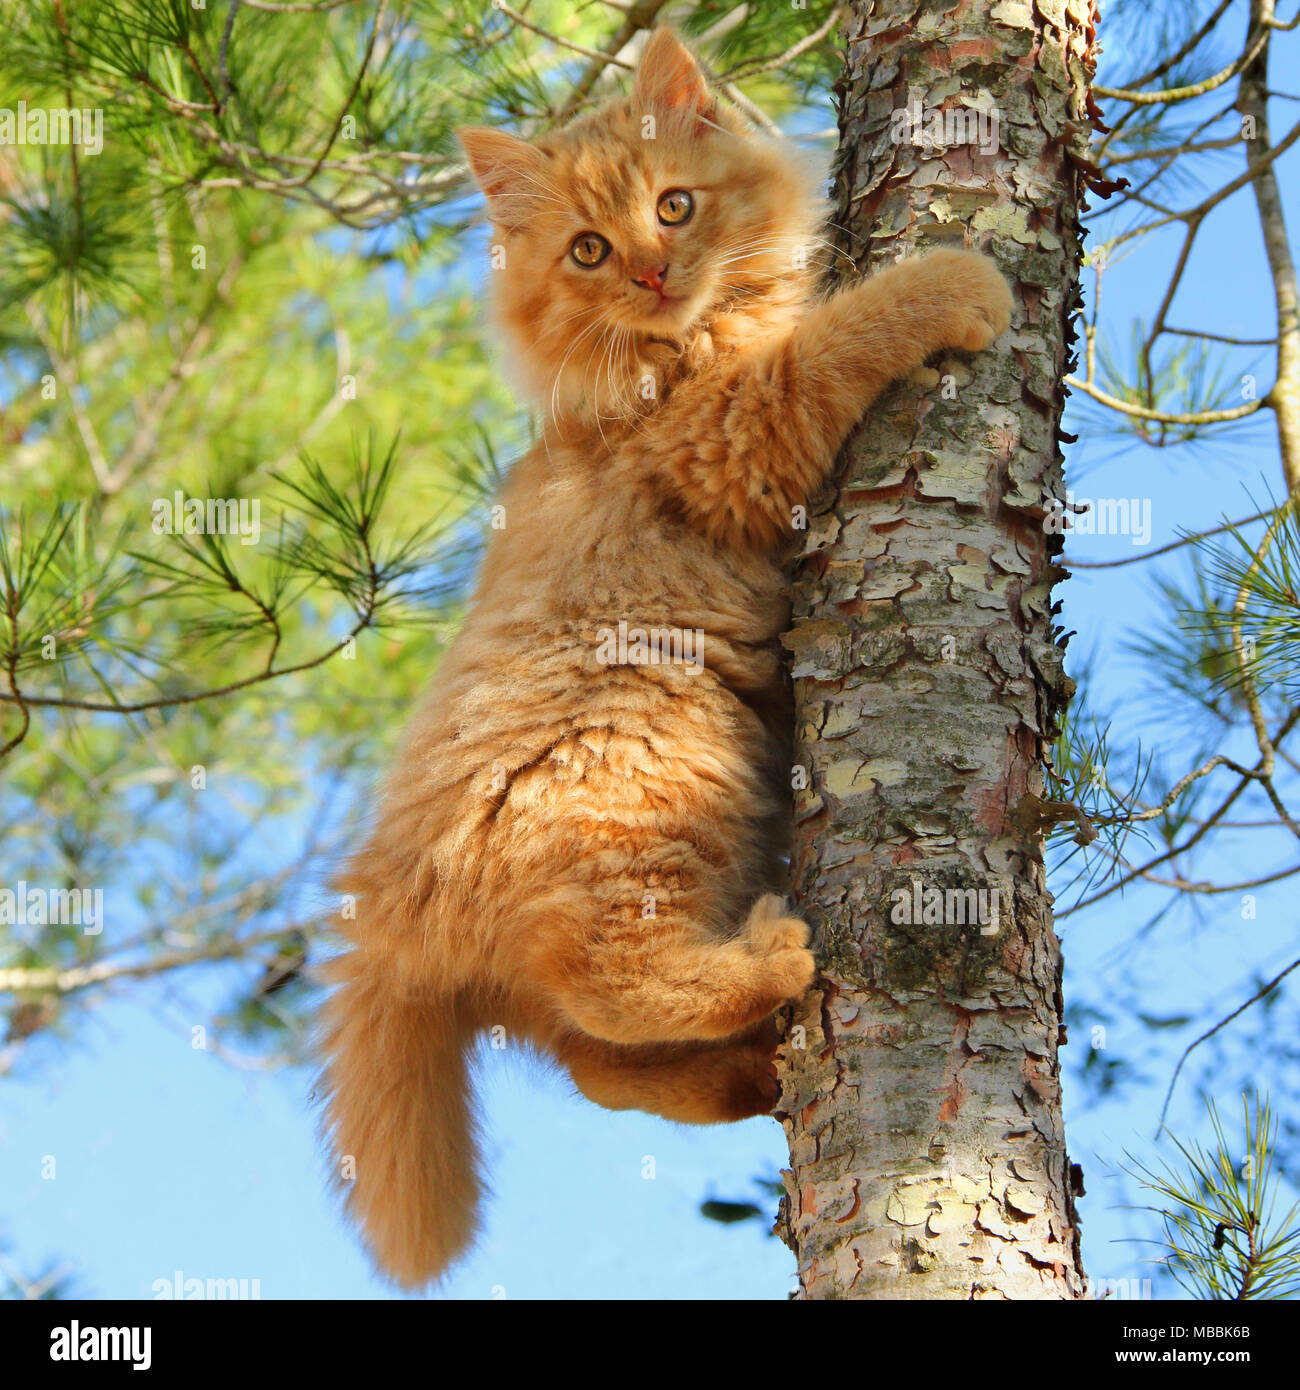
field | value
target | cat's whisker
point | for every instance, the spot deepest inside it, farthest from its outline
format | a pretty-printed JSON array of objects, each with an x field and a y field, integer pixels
[
  {"x": 738, "y": 276},
  {"x": 753, "y": 249},
  {"x": 535, "y": 179},
  {"x": 564, "y": 363},
  {"x": 560, "y": 370},
  {"x": 568, "y": 318},
  {"x": 595, "y": 323},
  {"x": 611, "y": 361},
  {"x": 595, "y": 398},
  {"x": 616, "y": 375},
  {"x": 608, "y": 365},
  {"x": 627, "y": 393}
]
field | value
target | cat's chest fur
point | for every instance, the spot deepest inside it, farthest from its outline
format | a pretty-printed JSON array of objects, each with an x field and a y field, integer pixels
[{"x": 592, "y": 537}]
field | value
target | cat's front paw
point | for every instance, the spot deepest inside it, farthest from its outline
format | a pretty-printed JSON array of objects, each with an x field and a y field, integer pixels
[{"x": 979, "y": 295}]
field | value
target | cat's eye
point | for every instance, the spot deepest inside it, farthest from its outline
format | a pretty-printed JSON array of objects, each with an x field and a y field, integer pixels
[
  {"x": 675, "y": 207},
  {"x": 588, "y": 250}
]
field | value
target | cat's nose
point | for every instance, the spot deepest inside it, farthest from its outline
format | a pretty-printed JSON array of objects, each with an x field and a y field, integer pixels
[{"x": 652, "y": 279}]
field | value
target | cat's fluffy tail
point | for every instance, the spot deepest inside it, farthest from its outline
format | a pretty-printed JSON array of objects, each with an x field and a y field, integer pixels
[{"x": 399, "y": 1119}]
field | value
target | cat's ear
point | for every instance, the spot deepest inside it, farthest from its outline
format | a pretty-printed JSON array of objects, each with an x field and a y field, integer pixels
[
  {"x": 507, "y": 169},
  {"x": 669, "y": 78}
]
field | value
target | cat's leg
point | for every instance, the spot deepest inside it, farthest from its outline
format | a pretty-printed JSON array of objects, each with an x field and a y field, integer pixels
[
  {"x": 699, "y": 1083},
  {"x": 626, "y": 979},
  {"x": 847, "y": 349},
  {"x": 753, "y": 447}
]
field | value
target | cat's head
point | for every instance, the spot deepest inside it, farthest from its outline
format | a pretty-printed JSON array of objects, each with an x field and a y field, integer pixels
[{"x": 623, "y": 238}]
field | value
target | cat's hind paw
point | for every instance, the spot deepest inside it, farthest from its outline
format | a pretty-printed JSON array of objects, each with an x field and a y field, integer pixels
[
  {"x": 782, "y": 942},
  {"x": 769, "y": 927}
]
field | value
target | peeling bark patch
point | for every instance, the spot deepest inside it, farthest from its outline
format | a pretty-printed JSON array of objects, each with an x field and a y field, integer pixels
[{"x": 951, "y": 1106}]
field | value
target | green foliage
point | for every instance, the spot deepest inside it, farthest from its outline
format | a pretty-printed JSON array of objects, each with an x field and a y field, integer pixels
[
  {"x": 161, "y": 333},
  {"x": 1083, "y": 771},
  {"x": 728, "y": 1213},
  {"x": 48, "y": 1285},
  {"x": 1256, "y": 625},
  {"x": 1183, "y": 379},
  {"x": 1223, "y": 1235},
  {"x": 1191, "y": 648}
]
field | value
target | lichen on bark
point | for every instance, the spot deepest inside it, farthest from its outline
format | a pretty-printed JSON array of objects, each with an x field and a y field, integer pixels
[{"x": 921, "y": 1093}]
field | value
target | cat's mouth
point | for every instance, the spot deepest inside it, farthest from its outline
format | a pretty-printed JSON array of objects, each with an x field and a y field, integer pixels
[{"x": 665, "y": 314}]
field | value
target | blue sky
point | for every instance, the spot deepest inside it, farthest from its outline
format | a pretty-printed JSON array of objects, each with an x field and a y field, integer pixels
[{"x": 168, "y": 1158}]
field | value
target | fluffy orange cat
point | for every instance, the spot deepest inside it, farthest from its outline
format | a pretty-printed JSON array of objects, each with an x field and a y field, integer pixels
[{"x": 584, "y": 839}]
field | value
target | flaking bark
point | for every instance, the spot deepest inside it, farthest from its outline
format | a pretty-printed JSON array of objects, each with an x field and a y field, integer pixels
[{"x": 921, "y": 1091}]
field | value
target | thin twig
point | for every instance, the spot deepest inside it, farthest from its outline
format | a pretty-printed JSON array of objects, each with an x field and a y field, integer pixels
[{"x": 1210, "y": 1032}]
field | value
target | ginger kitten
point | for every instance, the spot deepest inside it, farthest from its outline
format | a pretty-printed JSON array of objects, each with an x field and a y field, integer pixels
[{"x": 584, "y": 840}]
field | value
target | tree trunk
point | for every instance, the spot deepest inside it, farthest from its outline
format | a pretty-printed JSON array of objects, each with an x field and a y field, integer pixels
[
  {"x": 921, "y": 1092},
  {"x": 1252, "y": 102}
]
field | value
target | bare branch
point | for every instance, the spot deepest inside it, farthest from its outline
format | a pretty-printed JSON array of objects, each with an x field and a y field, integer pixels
[
  {"x": 1284, "y": 398},
  {"x": 51, "y": 979},
  {"x": 1192, "y": 44},
  {"x": 560, "y": 42},
  {"x": 1167, "y": 417},
  {"x": 1164, "y": 549},
  {"x": 754, "y": 66},
  {"x": 1196, "y": 89},
  {"x": 1259, "y": 994}
]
